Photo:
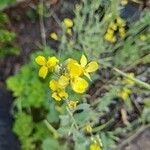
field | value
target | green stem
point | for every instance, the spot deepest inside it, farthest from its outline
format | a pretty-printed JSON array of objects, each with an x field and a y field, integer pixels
[
  {"x": 101, "y": 127},
  {"x": 71, "y": 115},
  {"x": 139, "y": 82},
  {"x": 52, "y": 129}
]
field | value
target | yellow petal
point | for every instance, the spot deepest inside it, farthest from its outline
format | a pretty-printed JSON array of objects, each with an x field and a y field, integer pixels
[
  {"x": 52, "y": 62},
  {"x": 53, "y": 84},
  {"x": 40, "y": 60},
  {"x": 56, "y": 97},
  {"x": 92, "y": 66},
  {"x": 95, "y": 147},
  {"x": 63, "y": 81},
  {"x": 54, "y": 36},
  {"x": 43, "y": 72},
  {"x": 120, "y": 22},
  {"x": 72, "y": 104},
  {"x": 69, "y": 31},
  {"x": 79, "y": 85},
  {"x": 83, "y": 61},
  {"x": 63, "y": 94},
  {"x": 68, "y": 23},
  {"x": 88, "y": 128},
  {"x": 74, "y": 68}
]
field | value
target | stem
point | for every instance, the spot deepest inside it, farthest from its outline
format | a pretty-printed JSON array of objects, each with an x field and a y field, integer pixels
[
  {"x": 132, "y": 137},
  {"x": 141, "y": 83},
  {"x": 71, "y": 115},
  {"x": 52, "y": 129},
  {"x": 42, "y": 27},
  {"x": 101, "y": 127}
]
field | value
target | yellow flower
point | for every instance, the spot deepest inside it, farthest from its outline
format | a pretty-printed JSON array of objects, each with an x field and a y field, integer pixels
[
  {"x": 124, "y": 94},
  {"x": 113, "y": 26},
  {"x": 120, "y": 22},
  {"x": 68, "y": 23},
  {"x": 88, "y": 128},
  {"x": 72, "y": 104},
  {"x": 52, "y": 62},
  {"x": 69, "y": 31},
  {"x": 122, "y": 32},
  {"x": 54, "y": 36},
  {"x": 128, "y": 81},
  {"x": 45, "y": 65},
  {"x": 143, "y": 37},
  {"x": 76, "y": 70},
  {"x": 88, "y": 67},
  {"x": 95, "y": 147},
  {"x": 110, "y": 37},
  {"x": 58, "y": 88}
]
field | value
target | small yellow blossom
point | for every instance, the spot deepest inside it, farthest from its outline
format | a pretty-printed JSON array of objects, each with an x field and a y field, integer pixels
[
  {"x": 124, "y": 94},
  {"x": 110, "y": 37},
  {"x": 54, "y": 36},
  {"x": 124, "y": 2},
  {"x": 58, "y": 88},
  {"x": 129, "y": 81},
  {"x": 143, "y": 37},
  {"x": 52, "y": 62},
  {"x": 120, "y": 22},
  {"x": 69, "y": 31},
  {"x": 113, "y": 26},
  {"x": 68, "y": 23},
  {"x": 72, "y": 104},
  {"x": 122, "y": 32},
  {"x": 88, "y": 128},
  {"x": 45, "y": 65},
  {"x": 88, "y": 67},
  {"x": 95, "y": 147}
]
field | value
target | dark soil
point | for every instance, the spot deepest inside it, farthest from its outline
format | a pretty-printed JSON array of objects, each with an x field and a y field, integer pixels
[
  {"x": 141, "y": 142},
  {"x": 7, "y": 139}
]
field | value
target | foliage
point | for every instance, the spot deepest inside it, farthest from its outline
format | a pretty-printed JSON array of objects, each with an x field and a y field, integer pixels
[
  {"x": 7, "y": 38},
  {"x": 60, "y": 122},
  {"x": 5, "y": 3}
]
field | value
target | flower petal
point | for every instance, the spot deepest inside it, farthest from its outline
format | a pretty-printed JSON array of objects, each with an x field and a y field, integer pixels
[
  {"x": 56, "y": 97},
  {"x": 68, "y": 22},
  {"x": 53, "y": 84},
  {"x": 43, "y": 72},
  {"x": 83, "y": 61},
  {"x": 92, "y": 66},
  {"x": 74, "y": 68},
  {"x": 63, "y": 94},
  {"x": 79, "y": 85},
  {"x": 63, "y": 81},
  {"x": 40, "y": 60},
  {"x": 52, "y": 62}
]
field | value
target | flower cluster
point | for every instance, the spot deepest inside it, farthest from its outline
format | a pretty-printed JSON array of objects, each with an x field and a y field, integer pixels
[
  {"x": 70, "y": 74},
  {"x": 117, "y": 26}
]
